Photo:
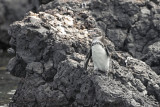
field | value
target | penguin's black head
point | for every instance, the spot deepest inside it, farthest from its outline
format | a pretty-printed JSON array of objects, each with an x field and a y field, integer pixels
[{"x": 95, "y": 33}]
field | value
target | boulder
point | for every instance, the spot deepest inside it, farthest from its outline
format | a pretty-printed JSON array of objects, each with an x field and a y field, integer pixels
[{"x": 51, "y": 46}]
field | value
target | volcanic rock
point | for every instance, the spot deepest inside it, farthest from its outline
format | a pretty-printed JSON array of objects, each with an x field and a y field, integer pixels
[{"x": 51, "y": 46}]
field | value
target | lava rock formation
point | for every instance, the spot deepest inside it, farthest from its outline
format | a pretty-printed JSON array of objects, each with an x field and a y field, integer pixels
[{"x": 51, "y": 46}]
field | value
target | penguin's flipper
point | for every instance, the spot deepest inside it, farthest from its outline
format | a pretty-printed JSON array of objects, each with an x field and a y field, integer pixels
[
  {"x": 107, "y": 51},
  {"x": 87, "y": 58}
]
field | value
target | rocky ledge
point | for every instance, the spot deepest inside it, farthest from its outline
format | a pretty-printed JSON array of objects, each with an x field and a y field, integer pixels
[{"x": 51, "y": 46}]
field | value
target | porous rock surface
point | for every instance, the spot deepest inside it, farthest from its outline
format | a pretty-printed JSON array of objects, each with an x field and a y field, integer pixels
[
  {"x": 135, "y": 26},
  {"x": 50, "y": 51}
]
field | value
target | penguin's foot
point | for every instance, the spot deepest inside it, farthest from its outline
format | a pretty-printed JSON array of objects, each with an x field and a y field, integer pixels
[
  {"x": 85, "y": 72},
  {"x": 103, "y": 72}
]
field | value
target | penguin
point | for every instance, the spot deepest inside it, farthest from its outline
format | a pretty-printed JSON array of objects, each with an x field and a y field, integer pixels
[{"x": 99, "y": 52}]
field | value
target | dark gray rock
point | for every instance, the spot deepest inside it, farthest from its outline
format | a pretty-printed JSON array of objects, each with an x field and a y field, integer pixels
[
  {"x": 10, "y": 11},
  {"x": 16, "y": 66},
  {"x": 117, "y": 36},
  {"x": 50, "y": 51},
  {"x": 37, "y": 67},
  {"x": 135, "y": 19},
  {"x": 152, "y": 58}
]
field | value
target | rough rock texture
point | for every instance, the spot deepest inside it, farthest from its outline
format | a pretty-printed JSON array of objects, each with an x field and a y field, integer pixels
[
  {"x": 51, "y": 47},
  {"x": 135, "y": 26},
  {"x": 10, "y": 11}
]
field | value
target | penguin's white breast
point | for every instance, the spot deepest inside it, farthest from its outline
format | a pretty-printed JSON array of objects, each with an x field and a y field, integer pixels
[{"x": 99, "y": 57}]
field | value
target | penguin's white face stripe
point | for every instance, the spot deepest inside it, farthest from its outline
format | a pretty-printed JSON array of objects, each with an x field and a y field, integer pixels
[{"x": 97, "y": 38}]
